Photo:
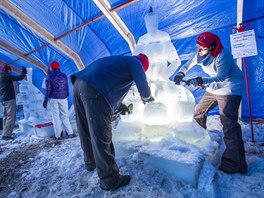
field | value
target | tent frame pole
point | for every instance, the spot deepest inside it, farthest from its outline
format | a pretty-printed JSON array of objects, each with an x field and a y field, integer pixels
[
  {"x": 239, "y": 63},
  {"x": 248, "y": 96}
]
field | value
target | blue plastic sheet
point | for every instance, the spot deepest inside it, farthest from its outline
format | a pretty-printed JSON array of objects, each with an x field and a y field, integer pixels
[{"x": 182, "y": 19}]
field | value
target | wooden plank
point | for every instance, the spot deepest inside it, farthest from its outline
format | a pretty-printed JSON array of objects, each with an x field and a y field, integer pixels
[
  {"x": 117, "y": 22},
  {"x": 19, "y": 15},
  {"x": 21, "y": 55}
]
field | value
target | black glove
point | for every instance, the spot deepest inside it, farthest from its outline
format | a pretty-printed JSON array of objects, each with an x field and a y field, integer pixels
[
  {"x": 24, "y": 70},
  {"x": 45, "y": 103},
  {"x": 198, "y": 81},
  {"x": 149, "y": 100},
  {"x": 178, "y": 78},
  {"x": 123, "y": 109}
]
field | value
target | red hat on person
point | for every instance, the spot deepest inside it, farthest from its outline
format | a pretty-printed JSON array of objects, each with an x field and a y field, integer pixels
[
  {"x": 144, "y": 60},
  {"x": 208, "y": 39},
  {"x": 54, "y": 65},
  {"x": 6, "y": 68}
]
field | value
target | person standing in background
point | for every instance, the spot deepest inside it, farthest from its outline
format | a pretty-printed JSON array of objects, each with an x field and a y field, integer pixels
[
  {"x": 8, "y": 99},
  {"x": 56, "y": 93}
]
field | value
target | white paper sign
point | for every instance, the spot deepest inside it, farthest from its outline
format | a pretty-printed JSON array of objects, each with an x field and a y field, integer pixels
[{"x": 243, "y": 44}]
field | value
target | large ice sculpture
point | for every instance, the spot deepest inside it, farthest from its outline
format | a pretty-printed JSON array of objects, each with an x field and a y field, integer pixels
[
  {"x": 171, "y": 113},
  {"x": 157, "y": 45},
  {"x": 163, "y": 133}
]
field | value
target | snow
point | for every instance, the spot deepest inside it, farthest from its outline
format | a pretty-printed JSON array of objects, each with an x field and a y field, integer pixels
[{"x": 42, "y": 167}]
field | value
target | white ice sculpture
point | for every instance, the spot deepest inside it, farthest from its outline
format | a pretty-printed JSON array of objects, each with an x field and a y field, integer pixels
[
  {"x": 164, "y": 61},
  {"x": 157, "y": 45},
  {"x": 163, "y": 133},
  {"x": 170, "y": 115}
]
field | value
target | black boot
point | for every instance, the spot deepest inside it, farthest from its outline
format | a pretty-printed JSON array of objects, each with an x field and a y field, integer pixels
[{"x": 123, "y": 180}]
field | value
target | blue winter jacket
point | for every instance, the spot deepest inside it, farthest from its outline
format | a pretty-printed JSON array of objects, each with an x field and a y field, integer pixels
[
  {"x": 225, "y": 76},
  {"x": 113, "y": 76},
  {"x": 56, "y": 85}
]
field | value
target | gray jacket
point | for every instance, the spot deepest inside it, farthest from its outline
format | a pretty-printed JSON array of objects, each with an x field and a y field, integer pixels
[{"x": 225, "y": 76}]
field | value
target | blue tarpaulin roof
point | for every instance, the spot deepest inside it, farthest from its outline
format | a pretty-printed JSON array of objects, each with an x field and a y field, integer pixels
[{"x": 182, "y": 19}]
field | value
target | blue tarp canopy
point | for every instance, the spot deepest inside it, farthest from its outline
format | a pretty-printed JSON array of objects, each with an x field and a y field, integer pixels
[{"x": 182, "y": 19}]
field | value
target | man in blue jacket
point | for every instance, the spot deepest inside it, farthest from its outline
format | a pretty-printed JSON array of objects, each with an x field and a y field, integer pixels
[
  {"x": 98, "y": 92},
  {"x": 225, "y": 89},
  {"x": 8, "y": 99},
  {"x": 56, "y": 93}
]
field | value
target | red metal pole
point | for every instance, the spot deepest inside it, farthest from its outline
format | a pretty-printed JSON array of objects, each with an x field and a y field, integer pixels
[
  {"x": 242, "y": 28},
  {"x": 248, "y": 96}
]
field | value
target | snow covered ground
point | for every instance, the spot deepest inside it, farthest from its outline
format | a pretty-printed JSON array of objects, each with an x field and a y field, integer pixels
[{"x": 42, "y": 167}]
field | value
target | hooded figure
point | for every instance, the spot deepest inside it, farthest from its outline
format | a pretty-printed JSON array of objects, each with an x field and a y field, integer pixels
[{"x": 225, "y": 86}]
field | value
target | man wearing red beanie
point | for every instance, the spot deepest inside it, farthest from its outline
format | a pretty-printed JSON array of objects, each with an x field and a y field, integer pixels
[
  {"x": 56, "y": 93},
  {"x": 225, "y": 89},
  {"x": 98, "y": 92},
  {"x": 144, "y": 60},
  {"x": 54, "y": 65},
  {"x": 8, "y": 99}
]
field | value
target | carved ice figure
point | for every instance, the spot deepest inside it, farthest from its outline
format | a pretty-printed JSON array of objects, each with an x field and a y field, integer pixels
[
  {"x": 170, "y": 115},
  {"x": 157, "y": 45}
]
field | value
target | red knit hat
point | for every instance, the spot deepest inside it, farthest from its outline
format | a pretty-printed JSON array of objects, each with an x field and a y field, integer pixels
[
  {"x": 208, "y": 39},
  {"x": 144, "y": 60},
  {"x": 6, "y": 68},
  {"x": 54, "y": 65},
  {"x": 205, "y": 39}
]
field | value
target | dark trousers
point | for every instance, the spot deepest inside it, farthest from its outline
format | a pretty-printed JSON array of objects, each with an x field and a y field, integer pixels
[
  {"x": 233, "y": 158},
  {"x": 93, "y": 117}
]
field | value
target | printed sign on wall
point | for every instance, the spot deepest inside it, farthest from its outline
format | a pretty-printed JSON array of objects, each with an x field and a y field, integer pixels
[{"x": 243, "y": 44}]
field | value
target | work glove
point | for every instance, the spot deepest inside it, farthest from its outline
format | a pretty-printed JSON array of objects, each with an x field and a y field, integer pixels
[
  {"x": 45, "y": 104},
  {"x": 24, "y": 70},
  {"x": 178, "y": 78},
  {"x": 198, "y": 81},
  {"x": 123, "y": 109},
  {"x": 149, "y": 100}
]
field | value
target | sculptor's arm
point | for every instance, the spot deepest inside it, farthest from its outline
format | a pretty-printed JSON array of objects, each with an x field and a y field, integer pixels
[
  {"x": 172, "y": 57},
  {"x": 189, "y": 64}
]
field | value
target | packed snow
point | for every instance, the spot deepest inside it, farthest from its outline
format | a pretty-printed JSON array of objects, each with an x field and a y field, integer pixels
[{"x": 31, "y": 166}]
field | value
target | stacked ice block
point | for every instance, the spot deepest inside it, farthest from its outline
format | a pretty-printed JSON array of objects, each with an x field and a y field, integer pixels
[{"x": 31, "y": 99}]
